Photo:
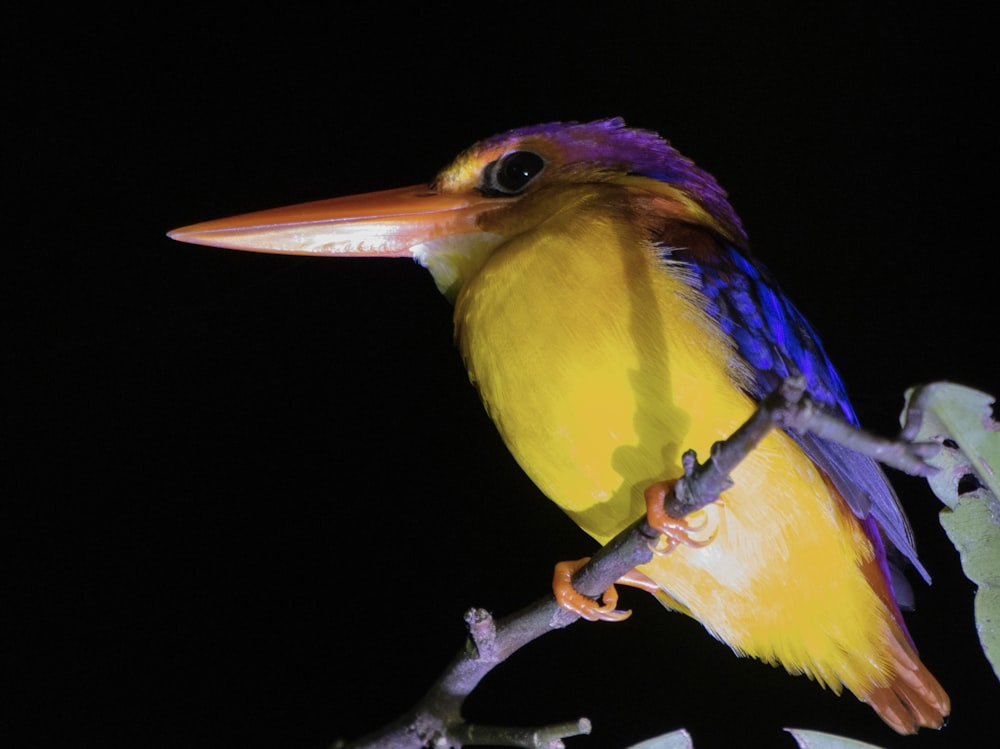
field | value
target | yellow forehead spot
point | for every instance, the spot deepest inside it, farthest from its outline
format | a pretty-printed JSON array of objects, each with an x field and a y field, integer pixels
[{"x": 462, "y": 175}]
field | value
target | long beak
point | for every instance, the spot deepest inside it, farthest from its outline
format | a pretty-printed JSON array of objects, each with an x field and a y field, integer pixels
[{"x": 386, "y": 223}]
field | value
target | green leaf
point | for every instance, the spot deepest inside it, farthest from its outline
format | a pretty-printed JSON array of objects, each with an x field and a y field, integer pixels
[
  {"x": 817, "y": 740},
  {"x": 960, "y": 419},
  {"x": 679, "y": 739}
]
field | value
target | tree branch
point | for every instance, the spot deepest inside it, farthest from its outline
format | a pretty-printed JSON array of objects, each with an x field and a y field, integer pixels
[{"x": 436, "y": 720}]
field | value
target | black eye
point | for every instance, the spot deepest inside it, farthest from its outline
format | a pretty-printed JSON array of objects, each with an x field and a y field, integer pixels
[{"x": 511, "y": 173}]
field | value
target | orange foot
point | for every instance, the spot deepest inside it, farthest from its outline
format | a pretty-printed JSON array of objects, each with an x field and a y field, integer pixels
[
  {"x": 677, "y": 530},
  {"x": 570, "y": 599}
]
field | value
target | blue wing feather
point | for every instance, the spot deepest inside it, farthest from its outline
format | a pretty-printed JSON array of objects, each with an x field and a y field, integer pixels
[{"x": 776, "y": 340}]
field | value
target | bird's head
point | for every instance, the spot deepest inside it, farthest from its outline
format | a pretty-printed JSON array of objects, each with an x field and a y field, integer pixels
[{"x": 495, "y": 189}]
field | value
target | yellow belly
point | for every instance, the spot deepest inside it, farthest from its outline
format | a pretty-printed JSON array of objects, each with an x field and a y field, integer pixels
[{"x": 600, "y": 373}]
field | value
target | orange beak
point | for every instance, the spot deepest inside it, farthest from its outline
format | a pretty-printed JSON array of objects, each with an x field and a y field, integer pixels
[{"x": 387, "y": 224}]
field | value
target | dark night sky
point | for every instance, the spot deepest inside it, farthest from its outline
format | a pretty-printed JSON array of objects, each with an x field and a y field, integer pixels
[{"x": 253, "y": 495}]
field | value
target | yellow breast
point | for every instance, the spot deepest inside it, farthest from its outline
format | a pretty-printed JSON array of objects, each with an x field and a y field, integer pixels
[{"x": 596, "y": 362}]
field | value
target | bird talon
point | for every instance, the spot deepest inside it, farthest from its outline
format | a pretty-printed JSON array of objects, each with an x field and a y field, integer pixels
[
  {"x": 674, "y": 531},
  {"x": 572, "y": 600},
  {"x": 663, "y": 545}
]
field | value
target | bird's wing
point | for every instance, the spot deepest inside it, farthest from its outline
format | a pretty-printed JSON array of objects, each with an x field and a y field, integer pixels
[{"x": 775, "y": 340}]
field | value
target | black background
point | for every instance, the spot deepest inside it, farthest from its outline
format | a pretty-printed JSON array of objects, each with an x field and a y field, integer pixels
[{"x": 250, "y": 496}]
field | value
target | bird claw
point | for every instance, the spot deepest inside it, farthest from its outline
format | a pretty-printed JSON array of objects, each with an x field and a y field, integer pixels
[
  {"x": 572, "y": 600},
  {"x": 674, "y": 531}
]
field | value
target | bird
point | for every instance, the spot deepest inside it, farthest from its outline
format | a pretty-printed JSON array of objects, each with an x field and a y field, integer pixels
[{"x": 611, "y": 315}]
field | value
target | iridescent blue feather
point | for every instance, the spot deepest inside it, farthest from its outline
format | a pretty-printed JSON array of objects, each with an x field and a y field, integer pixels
[{"x": 776, "y": 340}]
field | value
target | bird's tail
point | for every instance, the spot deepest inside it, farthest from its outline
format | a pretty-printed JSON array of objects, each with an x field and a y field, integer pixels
[{"x": 913, "y": 698}]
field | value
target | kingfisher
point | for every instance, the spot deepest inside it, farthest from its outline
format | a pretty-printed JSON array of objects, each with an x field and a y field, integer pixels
[{"x": 611, "y": 316}]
